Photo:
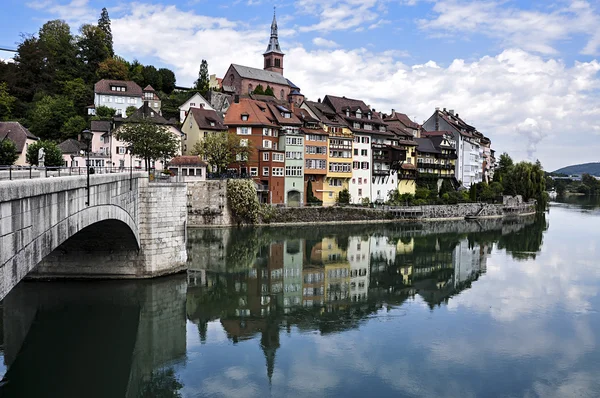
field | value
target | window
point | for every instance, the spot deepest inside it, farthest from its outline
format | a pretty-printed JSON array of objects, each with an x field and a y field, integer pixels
[
  {"x": 359, "y": 180},
  {"x": 363, "y": 152},
  {"x": 364, "y": 165},
  {"x": 281, "y": 94},
  {"x": 339, "y": 154},
  {"x": 293, "y": 171},
  {"x": 265, "y": 171},
  {"x": 293, "y": 140},
  {"x": 335, "y": 182},
  {"x": 364, "y": 140},
  {"x": 253, "y": 171},
  {"x": 355, "y": 152},
  {"x": 359, "y": 192},
  {"x": 249, "y": 88},
  {"x": 368, "y": 127},
  {"x": 278, "y": 65},
  {"x": 278, "y": 157},
  {"x": 243, "y": 131},
  {"x": 266, "y": 156},
  {"x": 244, "y": 142},
  {"x": 192, "y": 104},
  {"x": 267, "y": 144},
  {"x": 293, "y": 155},
  {"x": 267, "y": 132},
  {"x": 121, "y": 150},
  {"x": 277, "y": 171},
  {"x": 244, "y": 117},
  {"x": 340, "y": 167},
  {"x": 356, "y": 165},
  {"x": 316, "y": 164},
  {"x": 356, "y": 125},
  {"x": 313, "y": 150}
]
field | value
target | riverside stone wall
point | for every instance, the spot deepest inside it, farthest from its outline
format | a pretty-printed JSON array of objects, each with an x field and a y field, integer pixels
[{"x": 207, "y": 204}]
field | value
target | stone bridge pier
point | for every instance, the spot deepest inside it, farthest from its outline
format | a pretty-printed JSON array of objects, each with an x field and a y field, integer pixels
[{"x": 131, "y": 228}]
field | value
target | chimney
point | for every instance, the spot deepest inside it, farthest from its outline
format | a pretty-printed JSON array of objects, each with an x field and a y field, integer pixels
[
  {"x": 444, "y": 109},
  {"x": 319, "y": 100},
  {"x": 236, "y": 99},
  {"x": 451, "y": 111},
  {"x": 437, "y": 108},
  {"x": 393, "y": 111},
  {"x": 457, "y": 115}
]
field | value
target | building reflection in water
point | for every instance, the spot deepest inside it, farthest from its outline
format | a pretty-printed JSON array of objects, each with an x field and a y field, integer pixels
[{"x": 256, "y": 282}]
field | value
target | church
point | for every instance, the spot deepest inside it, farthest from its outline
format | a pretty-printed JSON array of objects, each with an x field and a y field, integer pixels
[{"x": 243, "y": 80}]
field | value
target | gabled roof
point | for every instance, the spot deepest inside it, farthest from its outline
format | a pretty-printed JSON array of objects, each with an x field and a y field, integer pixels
[
  {"x": 204, "y": 117},
  {"x": 425, "y": 145},
  {"x": 101, "y": 125},
  {"x": 277, "y": 111},
  {"x": 145, "y": 112},
  {"x": 248, "y": 72},
  {"x": 132, "y": 89},
  {"x": 71, "y": 146},
  {"x": 15, "y": 132},
  {"x": 258, "y": 114},
  {"x": 149, "y": 88},
  {"x": 343, "y": 104},
  {"x": 186, "y": 106},
  {"x": 402, "y": 118},
  {"x": 325, "y": 114},
  {"x": 437, "y": 142},
  {"x": 220, "y": 101},
  {"x": 305, "y": 116}
]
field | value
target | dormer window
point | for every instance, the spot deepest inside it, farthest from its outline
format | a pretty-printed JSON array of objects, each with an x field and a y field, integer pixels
[
  {"x": 287, "y": 115},
  {"x": 369, "y": 115},
  {"x": 382, "y": 128},
  {"x": 212, "y": 124},
  {"x": 358, "y": 114},
  {"x": 347, "y": 113},
  {"x": 244, "y": 116}
]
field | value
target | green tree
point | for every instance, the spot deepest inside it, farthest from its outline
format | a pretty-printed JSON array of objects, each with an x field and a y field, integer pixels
[
  {"x": 269, "y": 91},
  {"x": 48, "y": 116},
  {"x": 73, "y": 126},
  {"x": 112, "y": 68},
  {"x": 343, "y": 197},
  {"x": 152, "y": 77},
  {"x": 221, "y": 149},
  {"x": 446, "y": 187},
  {"x": 130, "y": 110},
  {"x": 167, "y": 78},
  {"x": 80, "y": 93},
  {"x": 203, "y": 82},
  {"x": 104, "y": 25},
  {"x": 59, "y": 50},
  {"x": 422, "y": 193},
  {"x": 149, "y": 141},
  {"x": 7, "y": 102},
  {"x": 92, "y": 49},
  {"x": 259, "y": 90},
  {"x": 33, "y": 76},
  {"x": 104, "y": 112},
  {"x": 53, "y": 154},
  {"x": 528, "y": 180},
  {"x": 136, "y": 72},
  {"x": 8, "y": 152},
  {"x": 505, "y": 165}
]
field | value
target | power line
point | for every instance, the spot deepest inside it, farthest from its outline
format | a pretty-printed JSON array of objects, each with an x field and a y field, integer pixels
[{"x": 7, "y": 49}]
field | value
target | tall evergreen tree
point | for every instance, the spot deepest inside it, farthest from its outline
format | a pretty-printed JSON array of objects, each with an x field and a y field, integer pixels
[
  {"x": 203, "y": 82},
  {"x": 92, "y": 49},
  {"x": 104, "y": 24}
]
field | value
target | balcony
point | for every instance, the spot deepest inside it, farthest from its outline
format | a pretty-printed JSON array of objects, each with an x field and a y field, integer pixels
[
  {"x": 381, "y": 172},
  {"x": 381, "y": 157},
  {"x": 338, "y": 146}
]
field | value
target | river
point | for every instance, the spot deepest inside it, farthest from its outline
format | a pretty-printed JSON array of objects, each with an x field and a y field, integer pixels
[{"x": 460, "y": 309}]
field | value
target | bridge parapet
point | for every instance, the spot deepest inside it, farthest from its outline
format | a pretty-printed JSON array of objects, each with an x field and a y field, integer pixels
[{"x": 131, "y": 228}]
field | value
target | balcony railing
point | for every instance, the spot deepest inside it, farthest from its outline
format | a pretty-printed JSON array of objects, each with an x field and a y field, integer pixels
[{"x": 380, "y": 172}]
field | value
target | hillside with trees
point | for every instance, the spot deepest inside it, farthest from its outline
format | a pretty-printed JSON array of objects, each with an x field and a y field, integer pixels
[
  {"x": 580, "y": 169},
  {"x": 51, "y": 81}
]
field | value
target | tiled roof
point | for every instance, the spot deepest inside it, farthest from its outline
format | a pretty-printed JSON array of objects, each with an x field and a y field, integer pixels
[
  {"x": 132, "y": 89},
  {"x": 187, "y": 161},
  {"x": 340, "y": 104},
  {"x": 15, "y": 132},
  {"x": 220, "y": 101},
  {"x": 258, "y": 114},
  {"x": 101, "y": 125},
  {"x": 247, "y": 72},
  {"x": 276, "y": 110},
  {"x": 71, "y": 146},
  {"x": 204, "y": 117},
  {"x": 439, "y": 133},
  {"x": 149, "y": 88},
  {"x": 425, "y": 145},
  {"x": 145, "y": 113},
  {"x": 402, "y": 118}
]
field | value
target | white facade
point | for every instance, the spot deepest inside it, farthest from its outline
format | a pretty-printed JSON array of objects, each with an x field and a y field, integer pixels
[
  {"x": 469, "y": 165},
  {"x": 359, "y": 257},
  {"x": 118, "y": 102},
  {"x": 196, "y": 101},
  {"x": 384, "y": 180},
  {"x": 360, "y": 183}
]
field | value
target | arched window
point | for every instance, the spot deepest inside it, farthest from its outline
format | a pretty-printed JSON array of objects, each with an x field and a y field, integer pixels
[
  {"x": 277, "y": 63},
  {"x": 282, "y": 95},
  {"x": 267, "y": 62},
  {"x": 249, "y": 88}
]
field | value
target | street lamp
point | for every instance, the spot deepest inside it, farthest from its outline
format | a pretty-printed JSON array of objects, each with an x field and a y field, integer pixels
[
  {"x": 87, "y": 135},
  {"x": 130, "y": 150}
]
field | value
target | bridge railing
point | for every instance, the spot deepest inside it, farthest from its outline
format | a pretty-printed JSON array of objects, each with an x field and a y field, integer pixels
[{"x": 30, "y": 172}]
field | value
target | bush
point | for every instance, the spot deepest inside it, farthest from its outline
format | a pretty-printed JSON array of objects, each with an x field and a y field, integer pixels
[
  {"x": 365, "y": 202},
  {"x": 422, "y": 193},
  {"x": 343, "y": 197},
  {"x": 8, "y": 153},
  {"x": 53, "y": 154},
  {"x": 243, "y": 201},
  {"x": 419, "y": 202}
]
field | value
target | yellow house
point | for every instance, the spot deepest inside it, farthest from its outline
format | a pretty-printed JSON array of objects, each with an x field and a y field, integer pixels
[
  {"x": 198, "y": 123},
  {"x": 339, "y": 163}
]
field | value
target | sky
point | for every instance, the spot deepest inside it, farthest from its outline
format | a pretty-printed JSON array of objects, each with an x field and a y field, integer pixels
[{"x": 524, "y": 73}]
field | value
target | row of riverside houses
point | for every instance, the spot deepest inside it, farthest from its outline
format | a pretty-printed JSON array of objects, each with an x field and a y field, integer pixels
[{"x": 336, "y": 143}]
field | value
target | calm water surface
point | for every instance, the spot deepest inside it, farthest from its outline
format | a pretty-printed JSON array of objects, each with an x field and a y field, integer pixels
[{"x": 486, "y": 309}]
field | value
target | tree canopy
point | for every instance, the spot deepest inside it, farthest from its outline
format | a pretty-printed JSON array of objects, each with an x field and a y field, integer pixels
[
  {"x": 149, "y": 141},
  {"x": 221, "y": 149},
  {"x": 8, "y": 152},
  {"x": 203, "y": 82},
  {"x": 53, "y": 154}
]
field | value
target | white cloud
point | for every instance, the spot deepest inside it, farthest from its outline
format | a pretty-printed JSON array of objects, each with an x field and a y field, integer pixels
[
  {"x": 339, "y": 14},
  {"x": 321, "y": 42},
  {"x": 530, "y": 30}
]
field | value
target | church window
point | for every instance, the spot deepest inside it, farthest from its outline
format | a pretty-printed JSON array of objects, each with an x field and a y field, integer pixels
[
  {"x": 282, "y": 95},
  {"x": 268, "y": 62},
  {"x": 277, "y": 63}
]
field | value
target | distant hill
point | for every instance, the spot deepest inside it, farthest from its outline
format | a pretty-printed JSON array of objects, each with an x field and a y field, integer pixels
[{"x": 585, "y": 168}]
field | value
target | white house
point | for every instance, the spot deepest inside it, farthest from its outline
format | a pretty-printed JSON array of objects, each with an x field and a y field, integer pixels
[
  {"x": 195, "y": 101},
  {"x": 117, "y": 94}
]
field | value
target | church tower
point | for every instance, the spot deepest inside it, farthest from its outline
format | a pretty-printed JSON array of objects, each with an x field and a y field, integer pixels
[{"x": 274, "y": 56}]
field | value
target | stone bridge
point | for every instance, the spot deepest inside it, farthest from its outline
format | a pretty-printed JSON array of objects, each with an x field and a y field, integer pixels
[{"x": 131, "y": 228}]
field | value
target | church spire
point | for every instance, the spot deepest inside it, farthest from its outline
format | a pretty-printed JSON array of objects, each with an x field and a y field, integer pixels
[
  {"x": 274, "y": 40},
  {"x": 274, "y": 56}
]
